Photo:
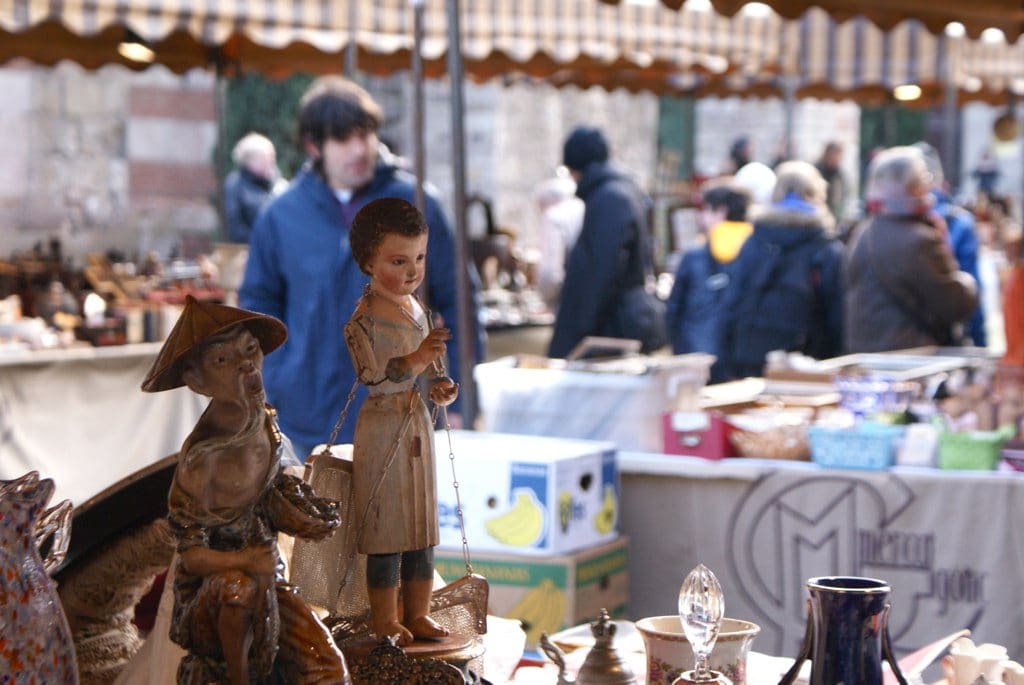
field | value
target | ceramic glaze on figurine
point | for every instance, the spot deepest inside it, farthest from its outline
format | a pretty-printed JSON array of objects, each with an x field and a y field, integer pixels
[
  {"x": 35, "y": 642},
  {"x": 394, "y": 491}
]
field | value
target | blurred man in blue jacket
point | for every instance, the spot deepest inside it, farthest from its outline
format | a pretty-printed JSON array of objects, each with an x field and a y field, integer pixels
[
  {"x": 963, "y": 237},
  {"x": 301, "y": 269}
]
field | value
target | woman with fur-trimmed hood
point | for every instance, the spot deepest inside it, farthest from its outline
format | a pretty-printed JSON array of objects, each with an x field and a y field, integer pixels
[{"x": 787, "y": 294}]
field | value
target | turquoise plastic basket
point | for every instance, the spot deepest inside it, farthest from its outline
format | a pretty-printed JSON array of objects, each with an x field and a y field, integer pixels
[{"x": 865, "y": 446}]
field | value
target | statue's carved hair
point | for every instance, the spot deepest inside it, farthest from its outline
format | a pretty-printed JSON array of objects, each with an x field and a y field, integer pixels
[{"x": 377, "y": 219}]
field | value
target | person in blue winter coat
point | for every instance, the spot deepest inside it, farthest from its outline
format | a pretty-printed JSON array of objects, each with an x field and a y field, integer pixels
[
  {"x": 604, "y": 291},
  {"x": 301, "y": 268},
  {"x": 692, "y": 311},
  {"x": 963, "y": 238},
  {"x": 786, "y": 292}
]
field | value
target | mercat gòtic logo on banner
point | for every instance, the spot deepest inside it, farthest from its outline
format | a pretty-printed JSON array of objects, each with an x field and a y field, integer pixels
[{"x": 785, "y": 531}]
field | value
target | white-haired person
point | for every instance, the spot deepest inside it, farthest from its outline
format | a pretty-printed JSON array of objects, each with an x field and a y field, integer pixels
[
  {"x": 786, "y": 290},
  {"x": 561, "y": 218},
  {"x": 250, "y": 185},
  {"x": 903, "y": 286}
]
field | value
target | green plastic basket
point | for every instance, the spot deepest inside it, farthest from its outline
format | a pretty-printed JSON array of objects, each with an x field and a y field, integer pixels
[{"x": 972, "y": 450}]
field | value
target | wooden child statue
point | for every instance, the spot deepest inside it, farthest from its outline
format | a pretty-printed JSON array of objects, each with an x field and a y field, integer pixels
[
  {"x": 233, "y": 612},
  {"x": 394, "y": 492}
]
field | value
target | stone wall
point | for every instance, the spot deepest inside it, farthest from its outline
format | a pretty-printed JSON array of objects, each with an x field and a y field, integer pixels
[
  {"x": 514, "y": 137},
  {"x": 119, "y": 159},
  {"x": 815, "y": 122},
  {"x": 105, "y": 159},
  {"x": 976, "y": 120}
]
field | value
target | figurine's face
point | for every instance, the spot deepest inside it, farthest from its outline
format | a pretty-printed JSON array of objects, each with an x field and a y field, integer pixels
[
  {"x": 399, "y": 264},
  {"x": 227, "y": 367},
  {"x": 349, "y": 164}
]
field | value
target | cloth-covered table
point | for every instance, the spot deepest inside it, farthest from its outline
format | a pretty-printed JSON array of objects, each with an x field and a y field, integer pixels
[
  {"x": 624, "y": 407},
  {"x": 950, "y": 543},
  {"x": 79, "y": 417}
]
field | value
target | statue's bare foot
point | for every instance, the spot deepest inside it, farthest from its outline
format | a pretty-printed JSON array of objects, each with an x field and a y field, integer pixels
[
  {"x": 393, "y": 629},
  {"x": 424, "y": 627}
]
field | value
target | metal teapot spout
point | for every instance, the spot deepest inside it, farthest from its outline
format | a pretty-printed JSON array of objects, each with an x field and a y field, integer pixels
[
  {"x": 603, "y": 665},
  {"x": 557, "y": 657}
]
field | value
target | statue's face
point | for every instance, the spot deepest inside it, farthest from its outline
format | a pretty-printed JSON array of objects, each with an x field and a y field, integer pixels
[
  {"x": 228, "y": 366},
  {"x": 399, "y": 264}
]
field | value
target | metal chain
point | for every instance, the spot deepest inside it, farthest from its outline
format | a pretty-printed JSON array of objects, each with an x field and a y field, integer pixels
[
  {"x": 341, "y": 417},
  {"x": 458, "y": 499},
  {"x": 439, "y": 366}
]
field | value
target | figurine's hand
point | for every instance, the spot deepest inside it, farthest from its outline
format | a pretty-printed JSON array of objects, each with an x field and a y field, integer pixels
[
  {"x": 433, "y": 346},
  {"x": 260, "y": 560},
  {"x": 444, "y": 391}
]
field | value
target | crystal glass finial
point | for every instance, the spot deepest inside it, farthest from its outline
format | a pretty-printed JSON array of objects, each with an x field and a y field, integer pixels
[{"x": 701, "y": 608}]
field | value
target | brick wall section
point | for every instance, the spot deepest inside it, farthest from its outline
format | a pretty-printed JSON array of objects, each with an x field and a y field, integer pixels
[
  {"x": 171, "y": 181},
  {"x": 105, "y": 159},
  {"x": 184, "y": 105}
]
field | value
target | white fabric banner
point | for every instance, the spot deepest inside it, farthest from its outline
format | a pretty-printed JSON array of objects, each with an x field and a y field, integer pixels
[{"x": 945, "y": 541}]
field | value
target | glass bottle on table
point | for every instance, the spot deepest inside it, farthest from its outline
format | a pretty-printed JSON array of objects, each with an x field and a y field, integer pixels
[{"x": 701, "y": 609}]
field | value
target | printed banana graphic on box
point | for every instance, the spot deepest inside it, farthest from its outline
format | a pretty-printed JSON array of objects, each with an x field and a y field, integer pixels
[
  {"x": 523, "y": 524},
  {"x": 606, "y": 517},
  {"x": 542, "y": 610},
  {"x": 527, "y": 494}
]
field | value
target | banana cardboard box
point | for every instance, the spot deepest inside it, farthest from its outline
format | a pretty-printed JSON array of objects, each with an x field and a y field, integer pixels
[
  {"x": 526, "y": 494},
  {"x": 548, "y": 594}
]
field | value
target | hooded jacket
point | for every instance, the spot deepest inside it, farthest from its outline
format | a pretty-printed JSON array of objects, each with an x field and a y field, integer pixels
[
  {"x": 693, "y": 308},
  {"x": 607, "y": 259},
  {"x": 903, "y": 288},
  {"x": 245, "y": 194},
  {"x": 786, "y": 293},
  {"x": 301, "y": 270}
]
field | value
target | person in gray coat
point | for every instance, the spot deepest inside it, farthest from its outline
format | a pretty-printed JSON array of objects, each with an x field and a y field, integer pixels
[{"x": 903, "y": 287}]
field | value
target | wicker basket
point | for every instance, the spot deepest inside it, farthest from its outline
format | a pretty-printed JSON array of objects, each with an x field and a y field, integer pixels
[{"x": 777, "y": 442}]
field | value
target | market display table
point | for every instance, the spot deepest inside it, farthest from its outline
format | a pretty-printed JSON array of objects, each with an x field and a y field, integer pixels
[
  {"x": 948, "y": 542},
  {"x": 78, "y": 416}
]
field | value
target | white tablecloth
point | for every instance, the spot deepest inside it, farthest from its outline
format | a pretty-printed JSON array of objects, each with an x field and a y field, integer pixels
[
  {"x": 624, "y": 408},
  {"x": 78, "y": 416}
]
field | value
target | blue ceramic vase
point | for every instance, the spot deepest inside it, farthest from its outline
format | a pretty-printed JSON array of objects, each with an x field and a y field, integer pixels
[{"x": 847, "y": 632}]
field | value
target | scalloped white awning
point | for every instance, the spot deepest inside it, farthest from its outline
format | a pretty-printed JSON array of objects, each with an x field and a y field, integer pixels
[{"x": 630, "y": 45}]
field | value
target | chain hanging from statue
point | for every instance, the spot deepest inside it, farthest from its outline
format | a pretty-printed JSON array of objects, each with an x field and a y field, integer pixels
[{"x": 459, "y": 606}]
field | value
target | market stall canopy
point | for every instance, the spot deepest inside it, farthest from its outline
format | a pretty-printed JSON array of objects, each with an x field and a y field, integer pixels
[
  {"x": 580, "y": 42},
  {"x": 975, "y": 16}
]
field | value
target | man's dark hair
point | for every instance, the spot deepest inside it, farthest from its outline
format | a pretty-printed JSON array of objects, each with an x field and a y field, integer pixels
[
  {"x": 739, "y": 151},
  {"x": 377, "y": 219},
  {"x": 728, "y": 194},
  {"x": 335, "y": 107}
]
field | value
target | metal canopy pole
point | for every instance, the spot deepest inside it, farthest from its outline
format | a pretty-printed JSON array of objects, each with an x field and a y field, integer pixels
[
  {"x": 467, "y": 342},
  {"x": 950, "y": 115},
  {"x": 419, "y": 153},
  {"x": 352, "y": 50},
  {"x": 789, "y": 84}
]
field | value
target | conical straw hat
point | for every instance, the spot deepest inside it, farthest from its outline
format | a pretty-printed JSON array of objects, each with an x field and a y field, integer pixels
[{"x": 199, "y": 321}]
